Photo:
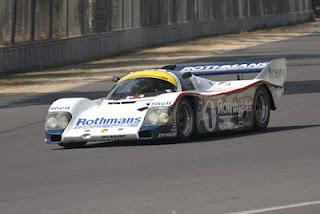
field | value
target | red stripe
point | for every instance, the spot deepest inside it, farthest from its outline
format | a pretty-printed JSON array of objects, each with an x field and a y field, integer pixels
[{"x": 222, "y": 93}]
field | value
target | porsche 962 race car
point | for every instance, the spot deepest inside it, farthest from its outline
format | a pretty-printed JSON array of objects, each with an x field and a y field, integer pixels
[{"x": 175, "y": 101}]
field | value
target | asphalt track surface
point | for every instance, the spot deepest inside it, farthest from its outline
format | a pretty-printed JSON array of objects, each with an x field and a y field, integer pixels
[{"x": 214, "y": 174}]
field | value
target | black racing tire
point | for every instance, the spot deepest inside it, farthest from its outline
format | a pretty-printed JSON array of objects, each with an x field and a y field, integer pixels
[
  {"x": 185, "y": 120},
  {"x": 261, "y": 109},
  {"x": 72, "y": 145}
]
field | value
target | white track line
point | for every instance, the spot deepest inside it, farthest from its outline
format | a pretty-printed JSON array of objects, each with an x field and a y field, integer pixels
[{"x": 304, "y": 204}]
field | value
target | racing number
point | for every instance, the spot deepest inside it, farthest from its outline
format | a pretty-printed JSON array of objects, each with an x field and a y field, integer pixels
[{"x": 209, "y": 116}]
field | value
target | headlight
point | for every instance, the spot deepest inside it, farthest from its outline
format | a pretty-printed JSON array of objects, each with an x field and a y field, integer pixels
[
  {"x": 164, "y": 118},
  {"x": 52, "y": 123},
  {"x": 158, "y": 116},
  {"x": 57, "y": 120}
]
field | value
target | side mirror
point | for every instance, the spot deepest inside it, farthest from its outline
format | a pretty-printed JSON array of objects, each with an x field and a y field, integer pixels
[
  {"x": 115, "y": 79},
  {"x": 186, "y": 75}
]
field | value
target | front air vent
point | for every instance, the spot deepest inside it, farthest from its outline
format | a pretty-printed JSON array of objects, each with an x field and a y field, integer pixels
[
  {"x": 55, "y": 138},
  {"x": 143, "y": 108},
  {"x": 128, "y": 102},
  {"x": 145, "y": 134},
  {"x": 122, "y": 102}
]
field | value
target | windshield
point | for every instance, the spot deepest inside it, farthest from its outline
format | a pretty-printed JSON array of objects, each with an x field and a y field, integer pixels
[{"x": 140, "y": 88}]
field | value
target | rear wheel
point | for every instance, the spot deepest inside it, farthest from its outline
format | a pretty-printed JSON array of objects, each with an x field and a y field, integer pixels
[
  {"x": 185, "y": 120},
  {"x": 261, "y": 109},
  {"x": 72, "y": 145}
]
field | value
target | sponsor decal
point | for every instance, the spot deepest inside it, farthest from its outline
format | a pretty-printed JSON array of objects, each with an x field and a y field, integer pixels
[
  {"x": 164, "y": 103},
  {"x": 227, "y": 125},
  {"x": 114, "y": 137},
  {"x": 59, "y": 108},
  {"x": 169, "y": 134},
  {"x": 226, "y": 67},
  {"x": 230, "y": 123},
  {"x": 102, "y": 122},
  {"x": 232, "y": 105},
  {"x": 233, "y": 112},
  {"x": 209, "y": 116}
]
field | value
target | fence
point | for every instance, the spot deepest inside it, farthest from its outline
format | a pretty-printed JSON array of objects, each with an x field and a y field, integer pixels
[
  {"x": 32, "y": 24},
  {"x": 33, "y": 20}
]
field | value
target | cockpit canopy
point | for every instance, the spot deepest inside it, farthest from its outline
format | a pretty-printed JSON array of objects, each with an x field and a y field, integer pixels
[{"x": 143, "y": 84}]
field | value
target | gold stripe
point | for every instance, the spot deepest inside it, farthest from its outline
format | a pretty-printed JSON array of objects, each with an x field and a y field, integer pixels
[{"x": 157, "y": 74}]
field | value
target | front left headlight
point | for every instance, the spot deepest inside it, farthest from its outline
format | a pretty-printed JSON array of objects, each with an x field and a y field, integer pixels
[
  {"x": 57, "y": 120},
  {"x": 158, "y": 116}
]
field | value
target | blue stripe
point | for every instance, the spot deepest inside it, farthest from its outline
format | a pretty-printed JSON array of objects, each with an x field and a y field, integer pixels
[
  {"x": 54, "y": 132},
  {"x": 210, "y": 72}
]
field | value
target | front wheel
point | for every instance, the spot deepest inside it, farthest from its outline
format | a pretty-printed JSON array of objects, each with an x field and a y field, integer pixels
[
  {"x": 185, "y": 120},
  {"x": 261, "y": 109},
  {"x": 72, "y": 145}
]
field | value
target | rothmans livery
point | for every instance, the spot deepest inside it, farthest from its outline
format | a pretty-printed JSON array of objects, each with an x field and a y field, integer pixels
[
  {"x": 176, "y": 101},
  {"x": 102, "y": 122}
]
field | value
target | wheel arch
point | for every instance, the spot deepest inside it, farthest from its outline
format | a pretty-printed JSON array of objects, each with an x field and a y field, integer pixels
[
  {"x": 272, "y": 103},
  {"x": 192, "y": 99}
]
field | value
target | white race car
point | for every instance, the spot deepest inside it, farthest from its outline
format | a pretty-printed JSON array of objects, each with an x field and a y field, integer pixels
[{"x": 175, "y": 101}]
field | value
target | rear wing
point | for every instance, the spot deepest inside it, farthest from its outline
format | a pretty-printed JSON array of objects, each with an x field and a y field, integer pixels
[{"x": 272, "y": 71}]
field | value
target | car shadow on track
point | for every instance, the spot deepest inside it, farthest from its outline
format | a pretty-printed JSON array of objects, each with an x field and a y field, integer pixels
[{"x": 203, "y": 138}]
